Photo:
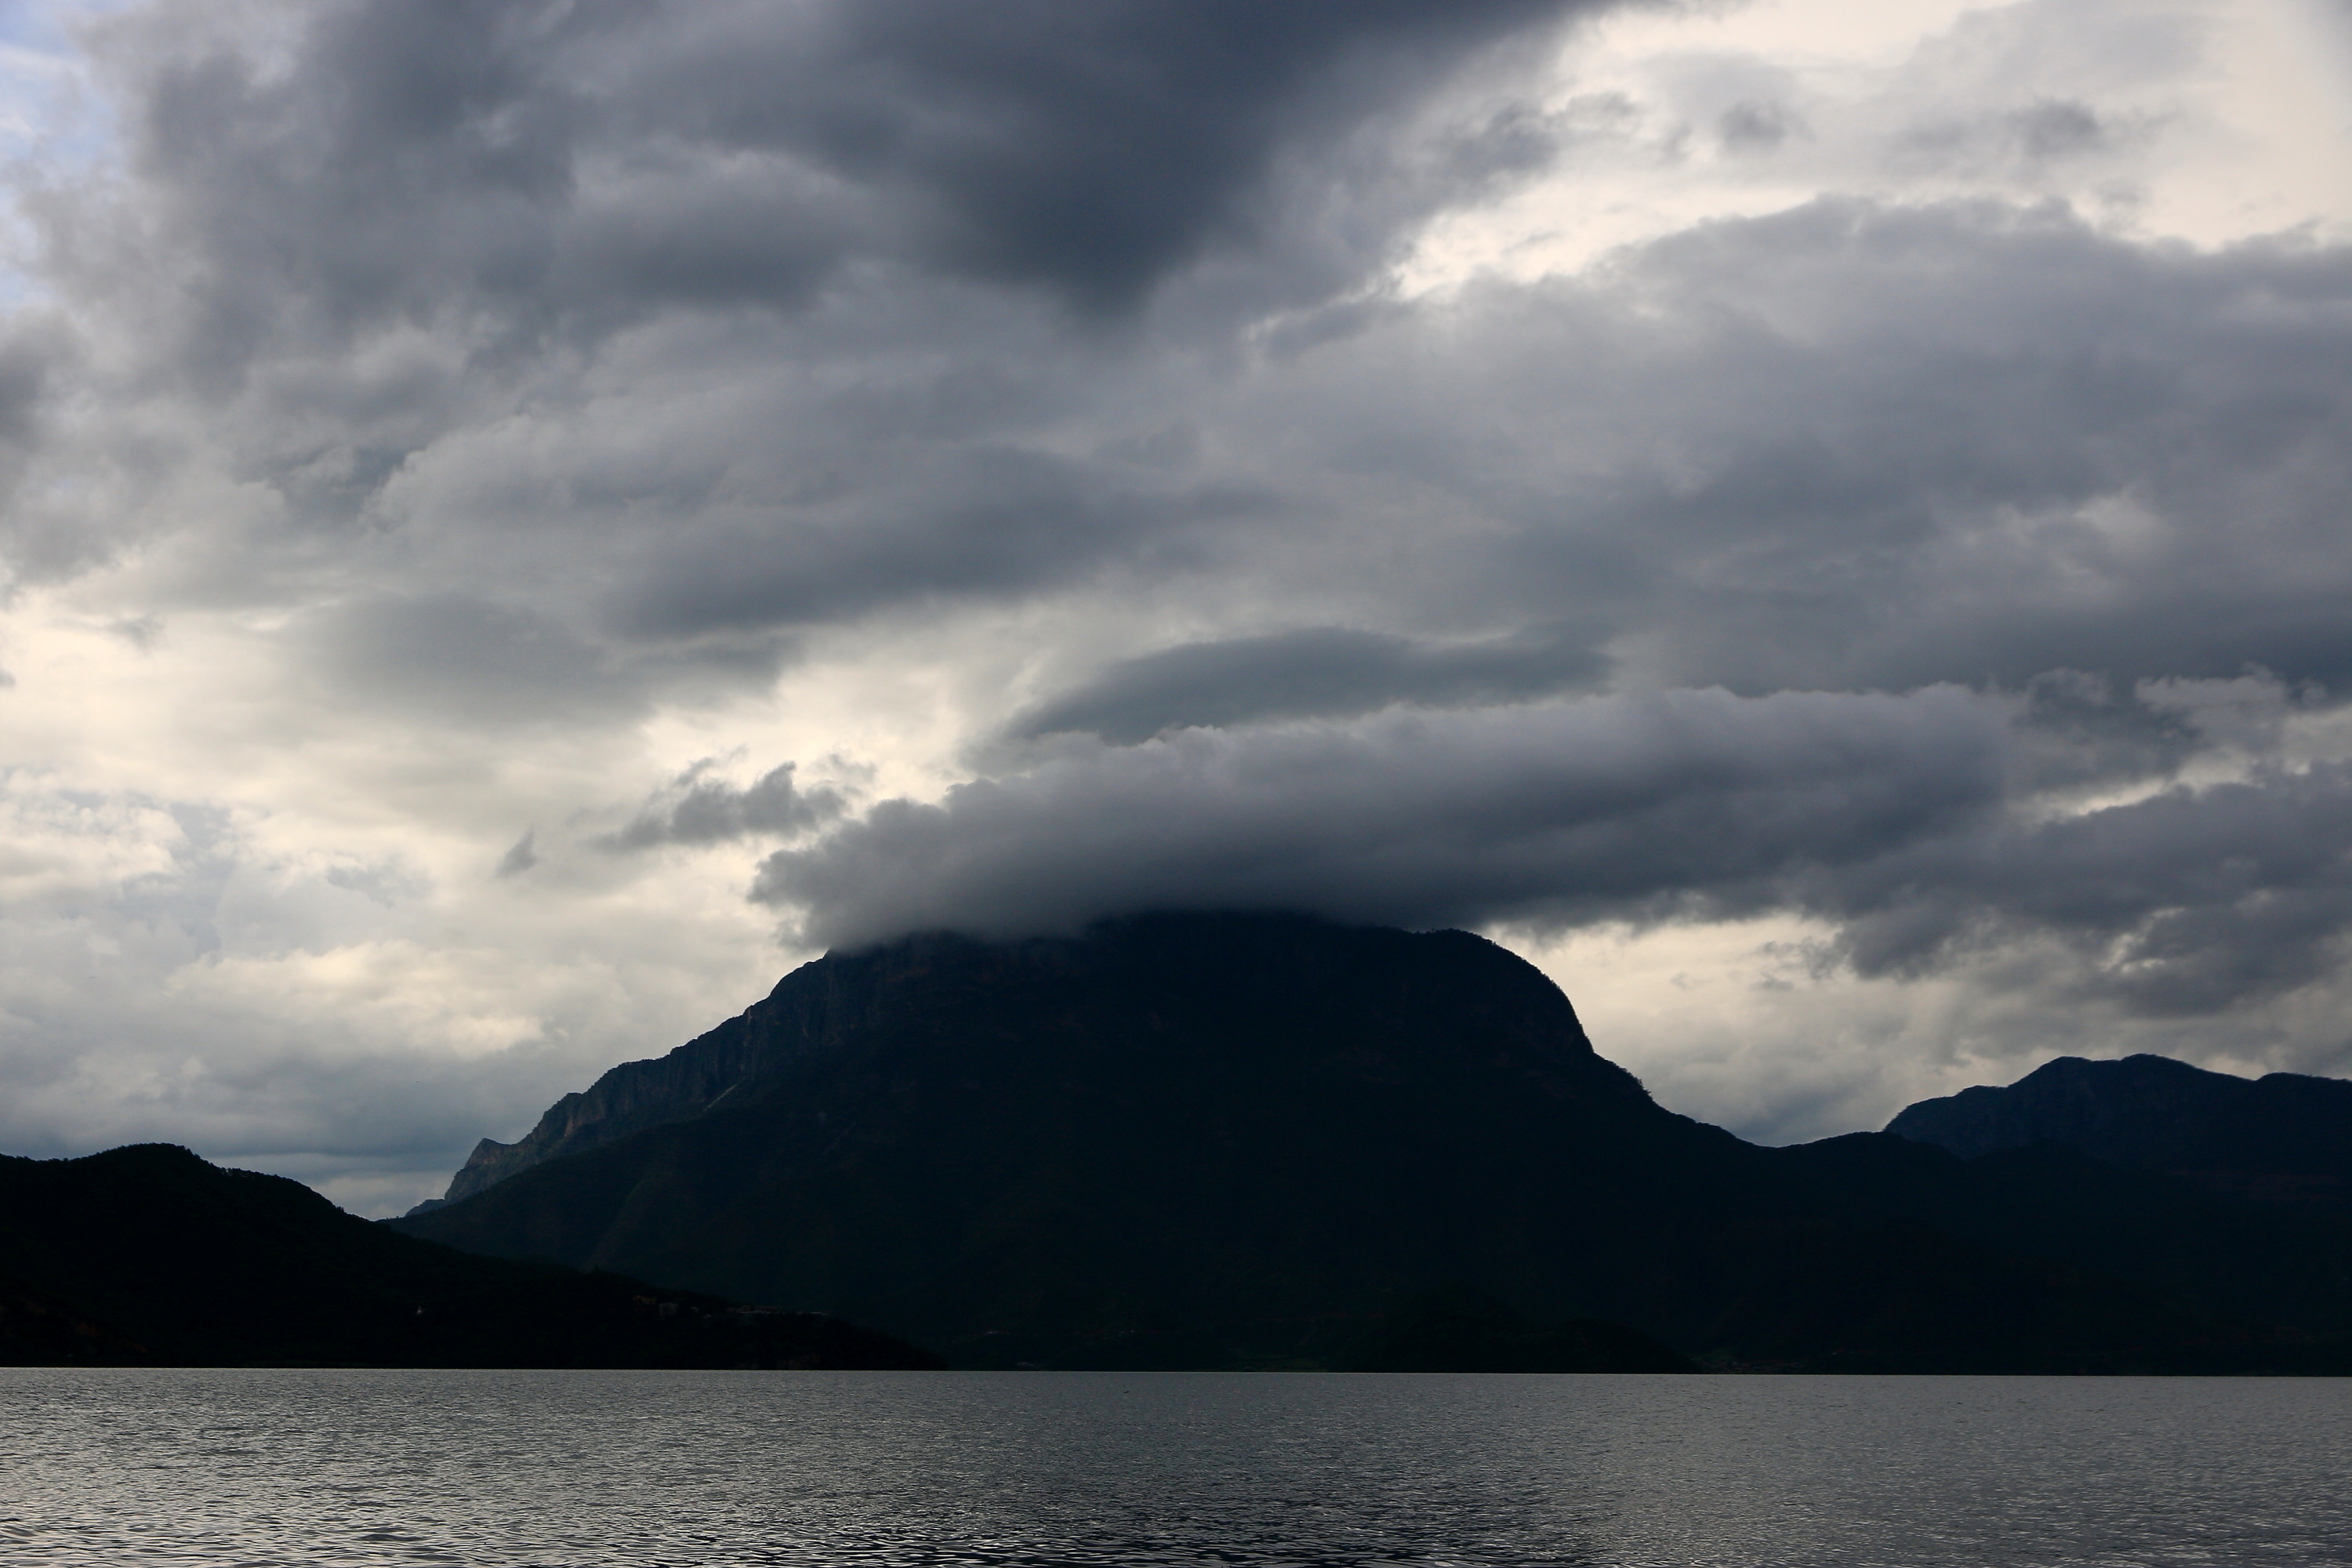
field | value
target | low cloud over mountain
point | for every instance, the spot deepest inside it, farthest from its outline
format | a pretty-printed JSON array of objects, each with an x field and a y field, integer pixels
[{"x": 1908, "y": 825}]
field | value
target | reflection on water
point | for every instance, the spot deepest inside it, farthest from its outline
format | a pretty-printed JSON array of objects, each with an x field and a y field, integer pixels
[{"x": 123, "y": 1466}]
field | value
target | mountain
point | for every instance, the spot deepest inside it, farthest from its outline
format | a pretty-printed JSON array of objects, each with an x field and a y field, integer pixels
[
  {"x": 843, "y": 1004},
  {"x": 150, "y": 1254},
  {"x": 2284, "y": 1137},
  {"x": 1258, "y": 1140}
]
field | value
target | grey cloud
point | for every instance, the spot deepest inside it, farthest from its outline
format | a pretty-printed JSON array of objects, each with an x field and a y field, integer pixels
[
  {"x": 2186, "y": 903},
  {"x": 983, "y": 522},
  {"x": 2037, "y": 134},
  {"x": 401, "y": 161},
  {"x": 1514, "y": 140},
  {"x": 2057, "y": 128},
  {"x": 454, "y": 656},
  {"x": 1845, "y": 446},
  {"x": 142, "y": 632},
  {"x": 1605, "y": 808},
  {"x": 2079, "y": 731},
  {"x": 1751, "y": 127},
  {"x": 521, "y": 857},
  {"x": 1851, "y": 446},
  {"x": 1908, "y": 823},
  {"x": 1318, "y": 671},
  {"x": 25, "y": 362},
  {"x": 346, "y": 234},
  {"x": 516, "y": 170},
  {"x": 34, "y": 351},
  {"x": 1090, "y": 146},
  {"x": 698, "y": 809},
  {"x": 461, "y": 657}
]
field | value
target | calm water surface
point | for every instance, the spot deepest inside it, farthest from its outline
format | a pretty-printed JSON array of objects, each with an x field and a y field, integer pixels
[{"x": 124, "y": 1467}]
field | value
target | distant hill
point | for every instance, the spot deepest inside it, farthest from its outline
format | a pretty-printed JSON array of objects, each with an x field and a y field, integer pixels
[
  {"x": 1211, "y": 1140},
  {"x": 148, "y": 1255},
  {"x": 2284, "y": 1137}
]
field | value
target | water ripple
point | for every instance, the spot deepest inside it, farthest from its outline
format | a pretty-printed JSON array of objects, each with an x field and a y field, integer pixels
[{"x": 533, "y": 1470}]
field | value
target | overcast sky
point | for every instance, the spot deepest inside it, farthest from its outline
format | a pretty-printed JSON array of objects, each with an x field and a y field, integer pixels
[{"x": 1824, "y": 526}]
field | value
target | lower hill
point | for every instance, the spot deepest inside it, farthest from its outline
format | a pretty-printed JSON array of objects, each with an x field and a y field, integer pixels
[
  {"x": 2284, "y": 1137},
  {"x": 1467, "y": 1330},
  {"x": 148, "y": 1255},
  {"x": 1210, "y": 1139}
]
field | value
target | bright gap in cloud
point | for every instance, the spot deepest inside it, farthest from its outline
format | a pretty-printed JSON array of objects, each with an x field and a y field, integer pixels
[
  {"x": 2206, "y": 121},
  {"x": 53, "y": 127}
]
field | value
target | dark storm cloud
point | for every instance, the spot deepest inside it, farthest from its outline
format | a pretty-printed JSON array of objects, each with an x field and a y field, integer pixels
[
  {"x": 1852, "y": 446},
  {"x": 1845, "y": 446},
  {"x": 1090, "y": 145},
  {"x": 698, "y": 809},
  {"x": 1902, "y": 821},
  {"x": 1320, "y": 671},
  {"x": 516, "y": 169},
  {"x": 1599, "y": 808},
  {"x": 354, "y": 238},
  {"x": 2077, "y": 730},
  {"x": 2183, "y": 903}
]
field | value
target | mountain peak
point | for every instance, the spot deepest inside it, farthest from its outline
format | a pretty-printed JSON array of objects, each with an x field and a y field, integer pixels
[
  {"x": 2285, "y": 1135},
  {"x": 1272, "y": 965}
]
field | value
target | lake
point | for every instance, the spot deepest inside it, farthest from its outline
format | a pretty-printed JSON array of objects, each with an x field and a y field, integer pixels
[{"x": 121, "y": 1467}]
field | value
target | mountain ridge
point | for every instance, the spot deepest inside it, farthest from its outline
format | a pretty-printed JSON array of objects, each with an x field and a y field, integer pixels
[
  {"x": 149, "y": 1255},
  {"x": 2284, "y": 1137},
  {"x": 808, "y": 1014},
  {"x": 1246, "y": 1139}
]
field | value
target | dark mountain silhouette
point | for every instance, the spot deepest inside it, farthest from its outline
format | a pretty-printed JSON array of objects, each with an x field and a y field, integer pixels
[
  {"x": 1263, "y": 1139},
  {"x": 150, "y": 1254},
  {"x": 847, "y": 1004},
  {"x": 2284, "y": 1137}
]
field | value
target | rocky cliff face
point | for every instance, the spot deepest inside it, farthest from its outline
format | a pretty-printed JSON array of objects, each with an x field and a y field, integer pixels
[
  {"x": 2286, "y": 1136},
  {"x": 811, "y": 1011}
]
